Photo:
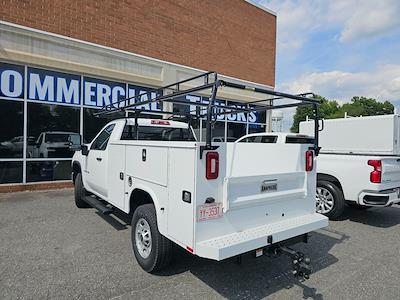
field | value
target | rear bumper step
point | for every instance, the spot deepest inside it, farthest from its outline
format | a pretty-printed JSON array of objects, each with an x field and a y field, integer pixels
[
  {"x": 240, "y": 242},
  {"x": 379, "y": 198},
  {"x": 97, "y": 204}
]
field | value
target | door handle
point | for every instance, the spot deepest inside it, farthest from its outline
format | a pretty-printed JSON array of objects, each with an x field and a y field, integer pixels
[{"x": 99, "y": 158}]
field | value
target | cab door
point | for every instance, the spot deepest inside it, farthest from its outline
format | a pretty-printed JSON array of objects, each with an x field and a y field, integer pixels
[{"x": 96, "y": 167}]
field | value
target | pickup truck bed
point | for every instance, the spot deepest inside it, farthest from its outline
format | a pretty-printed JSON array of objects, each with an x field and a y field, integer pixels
[{"x": 359, "y": 163}]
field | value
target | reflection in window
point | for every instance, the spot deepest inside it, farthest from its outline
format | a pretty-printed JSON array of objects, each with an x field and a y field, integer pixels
[
  {"x": 92, "y": 124},
  {"x": 218, "y": 131},
  {"x": 258, "y": 116},
  {"x": 53, "y": 130},
  {"x": 48, "y": 170},
  {"x": 256, "y": 128},
  {"x": 11, "y": 133},
  {"x": 235, "y": 131},
  {"x": 10, "y": 172}
]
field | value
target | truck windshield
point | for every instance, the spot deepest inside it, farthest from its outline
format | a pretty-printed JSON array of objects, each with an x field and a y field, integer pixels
[
  {"x": 62, "y": 138},
  {"x": 156, "y": 133}
]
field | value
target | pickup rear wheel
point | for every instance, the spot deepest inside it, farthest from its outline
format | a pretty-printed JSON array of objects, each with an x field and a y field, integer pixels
[
  {"x": 152, "y": 250},
  {"x": 329, "y": 199},
  {"x": 80, "y": 192}
]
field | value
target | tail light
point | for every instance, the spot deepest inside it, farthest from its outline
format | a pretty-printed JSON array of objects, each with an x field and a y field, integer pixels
[
  {"x": 376, "y": 174},
  {"x": 309, "y": 160},
  {"x": 212, "y": 165}
]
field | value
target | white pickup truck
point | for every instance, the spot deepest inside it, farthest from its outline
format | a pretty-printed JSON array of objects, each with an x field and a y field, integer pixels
[
  {"x": 216, "y": 200},
  {"x": 359, "y": 163}
]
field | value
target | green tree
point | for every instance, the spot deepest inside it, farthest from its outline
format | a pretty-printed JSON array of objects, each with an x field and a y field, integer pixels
[
  {"x": 326, "y": 109},
  {"x": 330, "y": 109}
]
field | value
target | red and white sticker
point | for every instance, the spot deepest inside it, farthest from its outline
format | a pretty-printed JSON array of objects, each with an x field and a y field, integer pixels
[{"x": 209, "y": 211}]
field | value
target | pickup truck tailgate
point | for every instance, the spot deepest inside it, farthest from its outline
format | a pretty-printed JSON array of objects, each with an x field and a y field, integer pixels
[
  {"x": 256, "y": 175},
  {"x": 391, "y": 170}
]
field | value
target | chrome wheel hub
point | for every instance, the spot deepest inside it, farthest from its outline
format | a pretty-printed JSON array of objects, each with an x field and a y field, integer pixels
[
  {"x": 143, "y": 238},
  {"x": 324, "y": 200}
]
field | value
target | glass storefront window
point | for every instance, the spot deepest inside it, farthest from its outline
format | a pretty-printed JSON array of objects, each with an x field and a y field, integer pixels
[
  {"x": 235, "y": 131},
  {"x": 53, "y": 130},
  {"x": 92, "y": 124},
  {"x": 10, "y": 172},
  {"x": 52, "y": 103},
  {"x": 11, "y": 133},
  {"x": 218, "y": 131},
  {"x": 256, "y": 128},
  {"x": 258, "y": 116},
  {"x": 48, "y": 170}
]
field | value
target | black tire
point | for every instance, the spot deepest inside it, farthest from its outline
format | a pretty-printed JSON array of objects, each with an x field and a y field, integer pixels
[
  {"x": 355, "y": 205},
  {"x": 338, "y": 199},
  {"x": 161, "y": 248},
  {"x": 80, "y": 192}
]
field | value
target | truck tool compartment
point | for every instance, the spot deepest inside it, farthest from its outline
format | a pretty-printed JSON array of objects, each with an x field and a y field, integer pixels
[{"x": 216, "y": 200}]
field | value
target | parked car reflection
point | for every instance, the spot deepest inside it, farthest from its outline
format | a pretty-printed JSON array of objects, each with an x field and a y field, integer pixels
[
  {"x": 14, "y": 147},
  {"x": 56, "y": 144}
]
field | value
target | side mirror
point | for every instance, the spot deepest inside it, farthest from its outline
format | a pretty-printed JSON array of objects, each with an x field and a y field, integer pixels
[{"x": 84, "y": 149}]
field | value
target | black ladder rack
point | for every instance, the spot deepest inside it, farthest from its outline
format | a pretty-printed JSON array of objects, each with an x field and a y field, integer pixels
[{"x": 210, "y": 81}]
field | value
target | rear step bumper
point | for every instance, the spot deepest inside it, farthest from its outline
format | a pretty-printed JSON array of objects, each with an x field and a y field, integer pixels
[
  {"x": 97, "y": 204},
  {"x": 240, "y": 242},
  {"x": 379, "y": 198}
]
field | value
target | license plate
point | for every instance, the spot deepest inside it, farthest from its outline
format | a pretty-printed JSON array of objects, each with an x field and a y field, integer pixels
[
  {"x": 268, "y": 186},
  {"x": 209, "y": 211}
]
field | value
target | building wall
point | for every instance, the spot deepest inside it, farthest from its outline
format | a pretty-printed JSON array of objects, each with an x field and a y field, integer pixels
[{"x": 231, "y": 37}]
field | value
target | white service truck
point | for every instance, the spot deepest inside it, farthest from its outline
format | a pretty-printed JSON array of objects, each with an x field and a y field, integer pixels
[
  {"x": 359, "y": 163},
  {"x": 216, "y": 200}
]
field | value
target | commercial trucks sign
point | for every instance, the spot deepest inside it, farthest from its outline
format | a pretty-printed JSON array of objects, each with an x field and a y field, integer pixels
[{"x": 18, "y": 82}]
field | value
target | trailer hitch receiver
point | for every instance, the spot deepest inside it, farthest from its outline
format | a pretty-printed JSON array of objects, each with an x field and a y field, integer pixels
[{"x": 301, "y": 265}]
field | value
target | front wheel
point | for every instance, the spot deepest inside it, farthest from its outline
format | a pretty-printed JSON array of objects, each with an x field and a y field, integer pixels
[
  {"x": 152, "y": 250},
  {"x": 329, "y": 199},
  {"x": 80, "y": 192}
]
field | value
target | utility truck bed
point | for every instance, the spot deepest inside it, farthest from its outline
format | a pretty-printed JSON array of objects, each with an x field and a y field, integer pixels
[{"x": 216, "y": 200}]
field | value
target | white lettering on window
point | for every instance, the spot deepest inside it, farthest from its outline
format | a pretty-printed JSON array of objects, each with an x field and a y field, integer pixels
[
  {"x": 103, "y": 95},
  {"x": 47, "y": 87},
  {"x": 6, "y": 88},
  {"x": 70, "y": 93},
  {"x": 90, "y": 93}
]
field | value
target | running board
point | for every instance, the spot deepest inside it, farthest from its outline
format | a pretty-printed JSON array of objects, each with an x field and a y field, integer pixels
[{"x": 97, "y": 204}]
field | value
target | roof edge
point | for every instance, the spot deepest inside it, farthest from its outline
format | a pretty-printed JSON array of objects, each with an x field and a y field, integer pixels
[{"x": 258, "y": 5}]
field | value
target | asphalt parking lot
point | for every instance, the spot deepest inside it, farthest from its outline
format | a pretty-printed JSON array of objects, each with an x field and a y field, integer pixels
[{"x": 51, "y": 249}]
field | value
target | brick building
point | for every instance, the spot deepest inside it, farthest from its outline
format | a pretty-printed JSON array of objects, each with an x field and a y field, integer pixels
[{"x": 60, "y": 61}]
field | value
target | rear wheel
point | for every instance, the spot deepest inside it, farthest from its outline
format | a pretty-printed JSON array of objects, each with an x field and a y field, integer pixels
[
  {"x": 152, "y": 250},
  {"x": 80, "y": 192},
  {"x": 329, "y": 199}
]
